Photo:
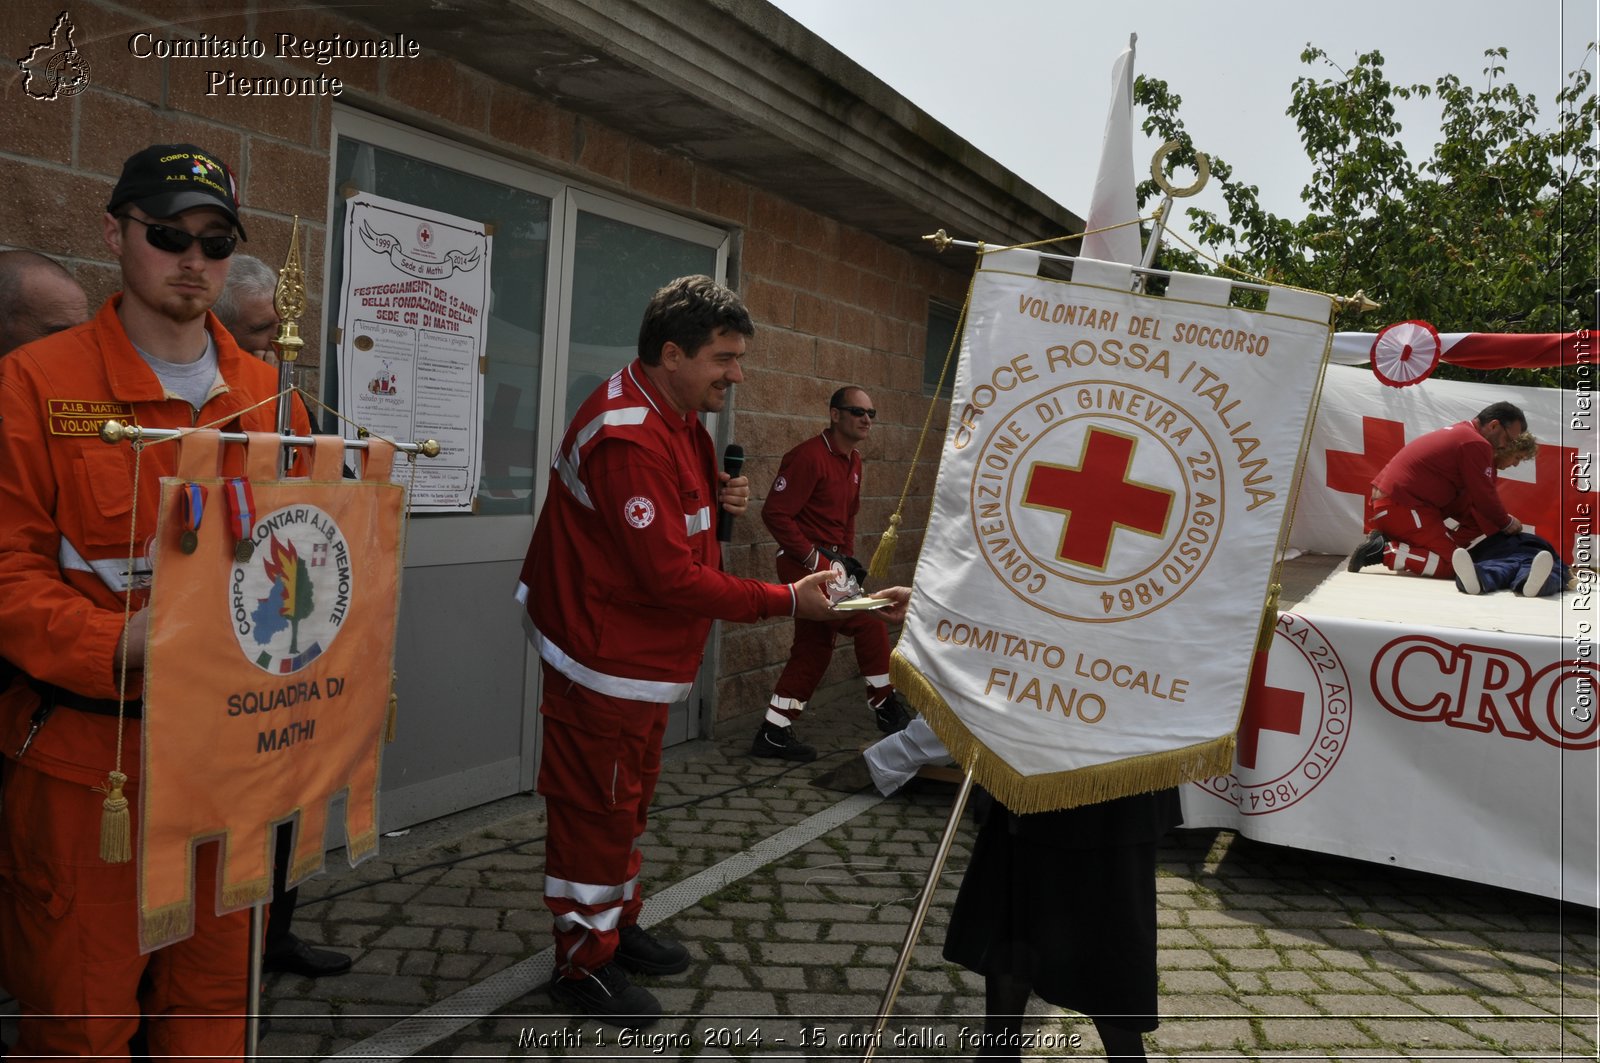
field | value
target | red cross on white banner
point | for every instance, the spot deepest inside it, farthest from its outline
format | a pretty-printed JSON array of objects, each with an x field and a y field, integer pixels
[{"x": 1097, "y": 498}]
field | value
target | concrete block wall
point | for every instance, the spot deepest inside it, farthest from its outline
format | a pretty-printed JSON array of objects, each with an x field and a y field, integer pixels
[{"x": 833, "y": 304}]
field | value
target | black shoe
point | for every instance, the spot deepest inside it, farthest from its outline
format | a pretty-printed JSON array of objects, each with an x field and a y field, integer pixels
[
  {"x": 891, "y": 714},
  {"x": 1369, "y": 553},
  {"x": 296, "y": 957},
  {"x": 781, "y": 743},
  {"x": 608, "y": 996},
  {"x": 643, "y": 953}
]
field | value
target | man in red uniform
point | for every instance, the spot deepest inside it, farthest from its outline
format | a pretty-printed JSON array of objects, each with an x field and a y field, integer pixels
[
  {"x": 1446, "y": 473},
  {"x": 69, "y": 508},
  {"x": 811, "y": 511},
  {"x": 622, "y": 583}
]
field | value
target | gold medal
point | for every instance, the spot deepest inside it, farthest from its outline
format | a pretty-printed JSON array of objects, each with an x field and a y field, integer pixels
[
  {"x": 244, "y": 550},
  {"x": 189, "y": 541}
]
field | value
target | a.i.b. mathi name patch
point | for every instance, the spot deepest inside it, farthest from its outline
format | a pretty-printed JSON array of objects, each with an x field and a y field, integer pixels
[{"x": 83, "y": 417}]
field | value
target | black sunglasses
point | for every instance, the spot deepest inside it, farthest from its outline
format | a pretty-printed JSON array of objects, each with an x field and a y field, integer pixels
[
  {"x": 176, "y": 241},
  {"x": 859, "y": 411}
]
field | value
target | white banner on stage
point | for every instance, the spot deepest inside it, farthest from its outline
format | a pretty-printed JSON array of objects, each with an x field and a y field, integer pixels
[
  {"x": 1111, "y": 490},
  {"x": 1466, "y": 753},
  {"x": 416, "y": 294}
]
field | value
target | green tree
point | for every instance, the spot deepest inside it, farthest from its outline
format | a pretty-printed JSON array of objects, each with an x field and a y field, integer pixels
[{"x": 1494, "y": 232}]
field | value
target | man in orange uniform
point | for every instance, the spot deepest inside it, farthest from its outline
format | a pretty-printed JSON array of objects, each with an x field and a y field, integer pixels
[{"x": 69, "y": 507}]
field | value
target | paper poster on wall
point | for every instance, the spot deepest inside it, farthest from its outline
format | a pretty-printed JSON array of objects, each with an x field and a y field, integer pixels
[{"x": 416, "y": 292}]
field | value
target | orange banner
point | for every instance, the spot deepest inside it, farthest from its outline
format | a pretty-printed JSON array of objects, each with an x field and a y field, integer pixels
[{"x": 268, "y": 672}]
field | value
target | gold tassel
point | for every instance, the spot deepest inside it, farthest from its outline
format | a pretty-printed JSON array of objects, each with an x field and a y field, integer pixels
[
  {"x": 116, "y": 827},
  {"x": 883, "y": 556}
]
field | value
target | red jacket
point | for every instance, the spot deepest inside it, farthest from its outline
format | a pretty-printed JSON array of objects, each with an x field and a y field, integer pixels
[
  {"x": 622, "y": 579},
  {"x": 1450, "y": 470},
  {"x": 66, "y": 500},
  {"x": 815, "y": 498}
]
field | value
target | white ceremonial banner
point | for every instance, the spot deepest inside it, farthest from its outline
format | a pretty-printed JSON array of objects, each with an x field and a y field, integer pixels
[
  {"x": 1111, "y": 491},
  {"x": 1468, "y": 753},
  {"x": 411, "y": 340}
]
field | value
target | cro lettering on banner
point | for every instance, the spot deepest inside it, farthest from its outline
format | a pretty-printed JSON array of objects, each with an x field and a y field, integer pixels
[{"x": 1487, "y": 688}]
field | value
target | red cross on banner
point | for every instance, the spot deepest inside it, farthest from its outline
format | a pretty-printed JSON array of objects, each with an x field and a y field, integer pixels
[
  {"x": 1553, "y": 505},
  {"x": 1352, "y": 473},
  {"x": 1097, "y": 498},
  {"x": 1268, "y": 709}
]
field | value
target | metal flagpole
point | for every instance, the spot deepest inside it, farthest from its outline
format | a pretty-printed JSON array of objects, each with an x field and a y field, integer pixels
[
  {"x": 924, "y": 902},
  {"x": 116, "y": 432},
  {"x": 252, "y": 1017}
]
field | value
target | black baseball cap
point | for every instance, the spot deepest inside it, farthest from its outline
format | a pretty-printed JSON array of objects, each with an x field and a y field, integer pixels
[{"x": 164, "y": 180}]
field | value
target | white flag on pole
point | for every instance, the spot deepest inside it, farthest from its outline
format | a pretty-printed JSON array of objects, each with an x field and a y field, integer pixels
[{"x": 1114, "y": 199}]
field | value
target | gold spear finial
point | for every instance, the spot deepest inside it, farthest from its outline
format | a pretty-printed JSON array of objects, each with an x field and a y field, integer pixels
[
  {"x": 1357, "y": 302},
  {"x": 940, "y": 240},
  {"x": 290, "y": 299}
]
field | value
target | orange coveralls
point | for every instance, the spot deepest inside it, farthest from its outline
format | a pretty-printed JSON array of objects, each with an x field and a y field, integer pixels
[{"x": 69, "y": 944}]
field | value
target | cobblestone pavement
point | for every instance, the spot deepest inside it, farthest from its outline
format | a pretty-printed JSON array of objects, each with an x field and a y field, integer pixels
[{"x": 794, "y": 896}]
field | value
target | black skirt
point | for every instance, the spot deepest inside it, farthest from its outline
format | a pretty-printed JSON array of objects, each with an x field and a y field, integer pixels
[{"x": 1067, "y": 900}]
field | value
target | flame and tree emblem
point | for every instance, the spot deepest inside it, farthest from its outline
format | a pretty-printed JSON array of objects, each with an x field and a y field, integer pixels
[{"x": 290, "y": 599}]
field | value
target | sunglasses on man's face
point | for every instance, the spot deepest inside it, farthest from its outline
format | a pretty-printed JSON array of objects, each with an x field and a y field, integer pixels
[
  {"x": 859, "y": 411},
  {"x": 176, "y": 241}
]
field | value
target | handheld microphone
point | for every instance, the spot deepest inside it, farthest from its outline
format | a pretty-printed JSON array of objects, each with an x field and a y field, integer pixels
[{"x": 732, "y": 463}]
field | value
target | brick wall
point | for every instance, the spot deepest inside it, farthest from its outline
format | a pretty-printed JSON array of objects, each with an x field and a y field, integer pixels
[{"x": 832, "y": 304}]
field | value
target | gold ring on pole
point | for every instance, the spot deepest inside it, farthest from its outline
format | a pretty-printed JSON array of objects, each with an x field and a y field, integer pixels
[{"x": 1202, "y": 167}]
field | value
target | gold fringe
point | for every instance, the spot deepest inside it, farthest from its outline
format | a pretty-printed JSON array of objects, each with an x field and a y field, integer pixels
[
  {"x": 883, "y": 556},
  {"x": 392, "y": 722},
  {"x": 245, "y": 894},
  {"x": 166, "y": 925},
  {"x": 302, "y": 869},
  {"x": 362, "y": 844},
  {"x": 1064, "y": 789},
  {"x": 116, "y": 825}
]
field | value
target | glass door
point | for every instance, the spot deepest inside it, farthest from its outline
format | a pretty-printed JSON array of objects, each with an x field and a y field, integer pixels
[{"x": 619, "y": 255}]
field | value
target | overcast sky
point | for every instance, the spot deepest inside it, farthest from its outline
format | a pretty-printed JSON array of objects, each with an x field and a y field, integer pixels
[{"x": 1028, "y": 81}]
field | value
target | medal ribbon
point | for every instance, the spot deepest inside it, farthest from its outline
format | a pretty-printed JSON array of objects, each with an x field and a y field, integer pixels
[
  {"x": 193, "y": 505},
  {"x": 241, "y": 508}
]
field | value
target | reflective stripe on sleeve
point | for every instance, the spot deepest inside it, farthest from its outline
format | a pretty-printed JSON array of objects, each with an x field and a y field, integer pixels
[
  {"x": 113, "y": 571},
  {"x": 567, "y": 464}
]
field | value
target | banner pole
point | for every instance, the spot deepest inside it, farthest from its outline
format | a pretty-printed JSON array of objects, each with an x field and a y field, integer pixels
[
  {"x": 923, "y": 904},
  {"x": 252, "y": 1016},
  {"x": 117, "y": 432}
]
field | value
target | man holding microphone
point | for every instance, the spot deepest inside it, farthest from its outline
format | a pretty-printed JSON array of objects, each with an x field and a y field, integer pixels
[{"x": 622, "y": 581}]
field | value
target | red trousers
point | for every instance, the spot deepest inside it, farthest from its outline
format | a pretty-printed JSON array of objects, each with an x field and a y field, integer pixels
[
  {"x": 1417, "y": 539},
  {"x": 598, "y": 769},
  {"x": 69, "y": 942},
  {"x": 812, "y": 650}
]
